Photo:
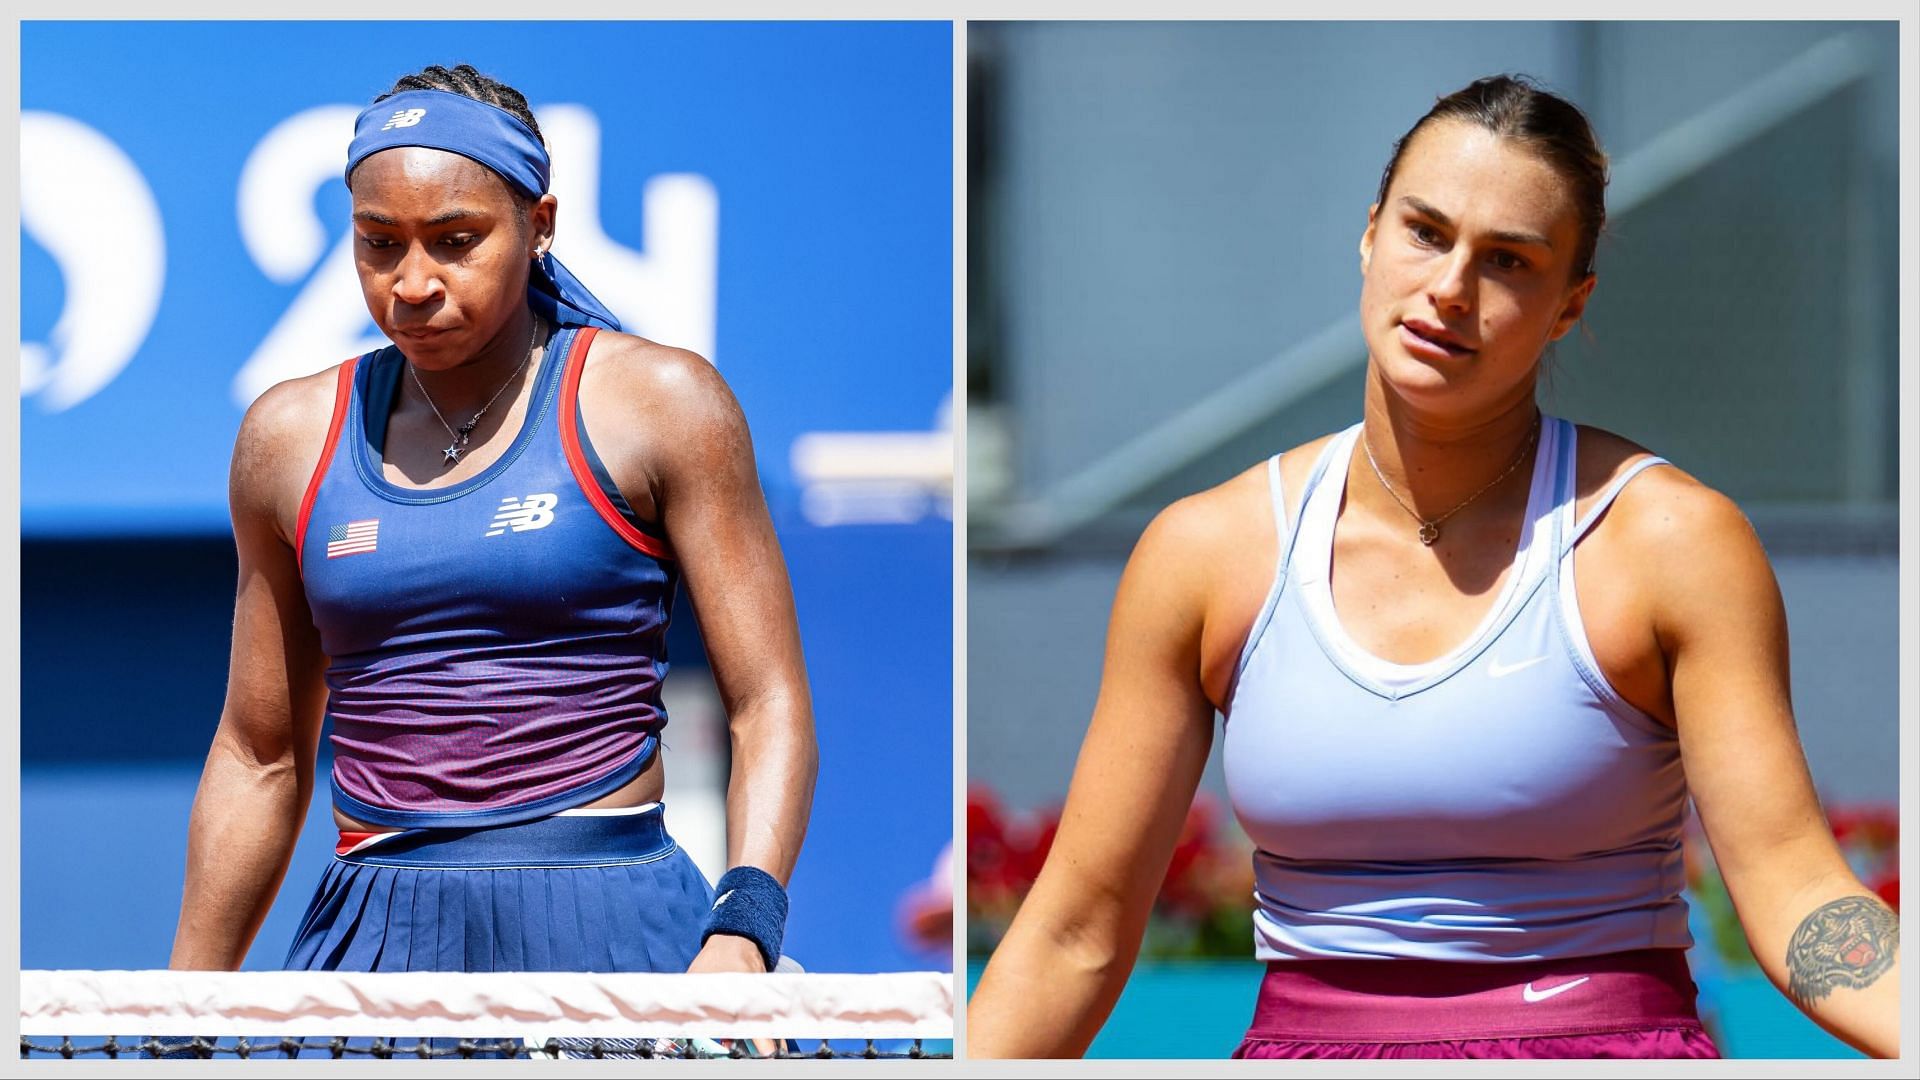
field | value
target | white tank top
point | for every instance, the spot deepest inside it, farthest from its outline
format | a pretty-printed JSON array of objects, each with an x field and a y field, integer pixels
[{"x": 1499, "y": 803}]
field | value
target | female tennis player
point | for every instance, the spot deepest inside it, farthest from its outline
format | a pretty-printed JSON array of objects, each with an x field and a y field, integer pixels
[
  {"x": 462, "y": 549},
  {"x": 1473, "y": 661}
]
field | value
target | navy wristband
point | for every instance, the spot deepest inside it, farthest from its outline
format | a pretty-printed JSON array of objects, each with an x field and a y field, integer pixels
[{"x": 752, "y": 905}]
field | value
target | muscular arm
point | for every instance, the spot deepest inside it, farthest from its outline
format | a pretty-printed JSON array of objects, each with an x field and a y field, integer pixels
[
  {"x": 706, "y": 492},
  {"x": 259, "y": 773},
  {"x": 1820, "y": 935},
  {"x": 1066, "y": 958}
]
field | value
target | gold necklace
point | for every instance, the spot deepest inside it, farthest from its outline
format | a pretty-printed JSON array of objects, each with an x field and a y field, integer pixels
[{"x": 1430, "y": 530}]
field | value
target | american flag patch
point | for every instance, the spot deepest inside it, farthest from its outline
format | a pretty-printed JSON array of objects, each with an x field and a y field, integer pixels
[{"x": 353, "y": 538}]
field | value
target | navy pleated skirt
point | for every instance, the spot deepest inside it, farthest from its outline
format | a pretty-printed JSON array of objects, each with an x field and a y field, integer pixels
[{"x": 572, "y": 892}]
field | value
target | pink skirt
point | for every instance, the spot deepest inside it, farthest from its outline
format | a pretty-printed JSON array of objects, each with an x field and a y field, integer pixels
[{"x": 1623, "y": 1005}]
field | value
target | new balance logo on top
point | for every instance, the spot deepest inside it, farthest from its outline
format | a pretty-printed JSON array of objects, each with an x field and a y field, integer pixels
[
  {"x": 404, "y": 118},
  {"x": 532, "y": 512}
]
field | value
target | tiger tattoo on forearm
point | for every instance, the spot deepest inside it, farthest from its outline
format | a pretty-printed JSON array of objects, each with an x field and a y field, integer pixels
[{"x": 1847, "y": 942}]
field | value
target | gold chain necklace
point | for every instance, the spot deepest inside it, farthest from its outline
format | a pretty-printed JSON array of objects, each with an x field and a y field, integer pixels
[{"x": 1430, "y": 530}]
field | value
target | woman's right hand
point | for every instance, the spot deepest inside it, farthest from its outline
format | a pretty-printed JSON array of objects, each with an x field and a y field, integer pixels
[{"x": 258, "y": 778}]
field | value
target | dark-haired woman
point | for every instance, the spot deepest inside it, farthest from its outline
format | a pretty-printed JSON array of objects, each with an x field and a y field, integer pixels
[
  {"x": 462, "y": 550},
  {"x": 1473, "y": 661}
]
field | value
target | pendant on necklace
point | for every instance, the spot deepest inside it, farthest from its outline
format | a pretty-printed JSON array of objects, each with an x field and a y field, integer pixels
[
  {"x": 1429, "y": 532},
  {"x": 460, "y": 439}
]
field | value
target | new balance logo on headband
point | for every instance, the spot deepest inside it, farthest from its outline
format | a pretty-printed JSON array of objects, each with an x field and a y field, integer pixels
[{"x": 404, "y": 118}]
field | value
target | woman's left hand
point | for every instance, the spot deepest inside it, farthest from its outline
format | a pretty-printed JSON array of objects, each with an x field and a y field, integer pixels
[
  {"x": 725, "y": 952},
  {"x": 1822, "y": 937}
]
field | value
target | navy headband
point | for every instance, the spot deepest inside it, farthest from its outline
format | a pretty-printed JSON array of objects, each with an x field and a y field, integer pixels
[{"x": 494, "y": 137}]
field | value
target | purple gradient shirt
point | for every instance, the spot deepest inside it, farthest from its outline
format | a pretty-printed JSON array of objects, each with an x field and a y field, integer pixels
[{"x": 497, "y": 645}]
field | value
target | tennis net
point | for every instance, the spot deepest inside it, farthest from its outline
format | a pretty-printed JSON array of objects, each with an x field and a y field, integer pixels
[{"x": 535, "y": 1015}]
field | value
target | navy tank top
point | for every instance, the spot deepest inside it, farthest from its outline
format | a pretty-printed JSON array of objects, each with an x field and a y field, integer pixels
[
  {"x": 1499, "y": 803},
  {"x": 497, "y": 645}
]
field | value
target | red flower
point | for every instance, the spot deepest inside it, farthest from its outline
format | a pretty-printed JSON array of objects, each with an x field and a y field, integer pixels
[
  {"x": 1004, "y": 854},
  {"x": 1189, "y": 887}
]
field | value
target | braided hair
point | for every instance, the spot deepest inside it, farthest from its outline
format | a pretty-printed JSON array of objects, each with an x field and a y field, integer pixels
[{"x": 467, "y": 82}]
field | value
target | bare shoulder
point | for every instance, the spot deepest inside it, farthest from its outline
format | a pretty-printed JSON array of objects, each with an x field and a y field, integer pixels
[
  {"x": 1226, "y": 517},
  {"x": 290, "y": 410},
  {"x": 1603, "y": 456},
  {"x": 1209, "y": 560},
  {"x": 1665, "y": 504},
  {"x": 1214, "y": 542},
  {"x": 656, "y": 378},
  {"x": 1171, "y": 589},
  {"x": 1693, "y": 540},
  {"x": 1199, "y": 528},
  {"x": 661, "y": 419},
  {"x": 279, "y": 444}
]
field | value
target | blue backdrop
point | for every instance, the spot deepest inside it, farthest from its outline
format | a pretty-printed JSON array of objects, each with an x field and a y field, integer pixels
[
  {"x": 826, "y": 146},
  {"x": 775, "y": 196}
]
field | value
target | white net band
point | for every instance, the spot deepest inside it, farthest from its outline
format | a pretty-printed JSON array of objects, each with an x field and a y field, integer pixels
[{"x": 905, "y": 1005}]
